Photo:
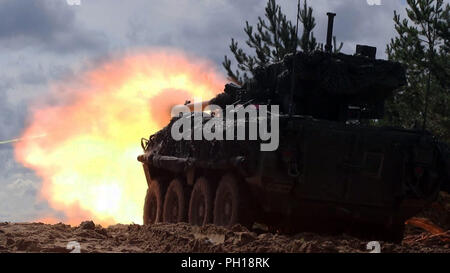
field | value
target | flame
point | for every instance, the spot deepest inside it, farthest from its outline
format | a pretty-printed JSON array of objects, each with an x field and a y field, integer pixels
[{"x": 93, "y": 125}]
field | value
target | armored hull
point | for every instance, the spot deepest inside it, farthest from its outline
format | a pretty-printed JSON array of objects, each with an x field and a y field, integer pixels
[{"x": 329, "y": 173}]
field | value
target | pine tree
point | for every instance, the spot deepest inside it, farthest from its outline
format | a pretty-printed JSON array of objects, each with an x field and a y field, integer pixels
[
  {"x": 275, "y": 36},
  {"x": 422, "y": 45}
]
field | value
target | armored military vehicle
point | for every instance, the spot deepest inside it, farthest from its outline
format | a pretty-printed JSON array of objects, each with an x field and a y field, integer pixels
[{"x": 331, "y": 172}]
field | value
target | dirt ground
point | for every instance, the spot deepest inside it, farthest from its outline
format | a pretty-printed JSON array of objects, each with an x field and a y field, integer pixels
[{"x": 427, "y": 233}]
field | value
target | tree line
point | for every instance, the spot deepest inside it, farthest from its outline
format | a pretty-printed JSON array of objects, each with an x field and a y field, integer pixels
[{"x": 421, "y": 44}]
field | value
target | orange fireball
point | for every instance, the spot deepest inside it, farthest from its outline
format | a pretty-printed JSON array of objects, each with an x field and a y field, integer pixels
[{"x": 93, "y": 126}]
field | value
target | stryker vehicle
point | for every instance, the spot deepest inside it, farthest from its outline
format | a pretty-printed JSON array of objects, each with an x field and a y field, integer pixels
[{"x": 332, "y": 172}]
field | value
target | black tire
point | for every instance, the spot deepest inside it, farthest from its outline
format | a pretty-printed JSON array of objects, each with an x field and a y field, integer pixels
[
  {"x": 201, "y": 203},
  {"x": 153, "y": 204},
  {"x": 230, "y": 204},
  {"x": 175, "y": 203}
]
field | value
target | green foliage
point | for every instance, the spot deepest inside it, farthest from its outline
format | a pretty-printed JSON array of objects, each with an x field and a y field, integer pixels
[
  {"x": 422, "y": 45},
  {"x": 274, "y": 37}
]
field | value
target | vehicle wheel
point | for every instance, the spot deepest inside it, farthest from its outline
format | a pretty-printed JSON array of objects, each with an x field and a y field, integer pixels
[
  {"x": 201, "y": 203},
  {"x": 229, "y": 204},
  {"x": 153, "y": 204},
  {"x": 175, "y": 203}
]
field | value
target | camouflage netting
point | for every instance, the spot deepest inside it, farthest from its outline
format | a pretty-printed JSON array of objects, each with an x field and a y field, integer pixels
[{"x": 213, "y": 150}]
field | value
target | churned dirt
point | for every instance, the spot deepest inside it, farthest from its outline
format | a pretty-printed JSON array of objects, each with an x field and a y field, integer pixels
[{"x": 427, "y": 233}]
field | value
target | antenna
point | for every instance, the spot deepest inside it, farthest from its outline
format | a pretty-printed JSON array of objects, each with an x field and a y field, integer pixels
[
  {"x": 291, "y": 95},
  {"x": 329, "y": 46}
]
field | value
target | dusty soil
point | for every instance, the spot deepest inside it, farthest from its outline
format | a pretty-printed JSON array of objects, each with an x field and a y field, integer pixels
[
  {"x": 428, "y": 233},
  {"x": 181, "y": 237}
]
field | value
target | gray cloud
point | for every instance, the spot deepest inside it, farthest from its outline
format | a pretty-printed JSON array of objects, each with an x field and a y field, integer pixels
[
  {"x": 206, "y": 27},
  {"x": 12, "y": 115},
  {"x": 45, "y": 24},
  {"x": 19, "y": 188}
]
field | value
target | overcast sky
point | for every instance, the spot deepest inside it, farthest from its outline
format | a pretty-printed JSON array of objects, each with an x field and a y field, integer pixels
[{"x": 42, "y": 41}]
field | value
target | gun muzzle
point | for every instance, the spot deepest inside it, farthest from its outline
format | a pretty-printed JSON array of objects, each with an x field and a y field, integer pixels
[
  {"x": 198, "y": 106},
  {"x": 329, "y": 46},
  {"x": 178, "y": 110}
]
